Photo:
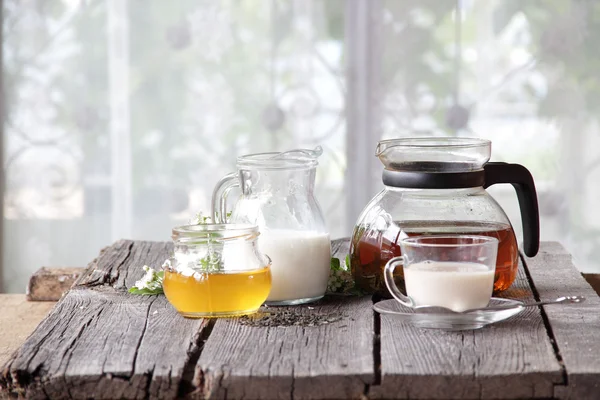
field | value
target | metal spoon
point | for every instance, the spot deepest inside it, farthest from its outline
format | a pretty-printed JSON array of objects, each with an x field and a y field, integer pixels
[{"x": 441, "y": 310}]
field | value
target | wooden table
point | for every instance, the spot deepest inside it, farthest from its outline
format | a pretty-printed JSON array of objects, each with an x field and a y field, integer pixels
[
  {"x": 18, "y": 318},
  {"x": 101, "y": 342}
]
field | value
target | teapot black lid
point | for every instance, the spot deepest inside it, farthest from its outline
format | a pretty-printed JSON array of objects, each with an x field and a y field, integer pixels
[{"x": 433, "y": 175}]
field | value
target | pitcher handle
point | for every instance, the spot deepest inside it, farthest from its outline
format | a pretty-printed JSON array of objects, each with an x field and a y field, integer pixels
[
  {"x": 219, "y": 197},
  {"x": 521, "y": 179},
  {"x": 391, "y": 285}
]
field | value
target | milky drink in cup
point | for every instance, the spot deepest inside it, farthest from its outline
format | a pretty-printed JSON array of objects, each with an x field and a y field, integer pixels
[
  {"x": 452, "y": 271},
  {"x": 456, "y": 285}
]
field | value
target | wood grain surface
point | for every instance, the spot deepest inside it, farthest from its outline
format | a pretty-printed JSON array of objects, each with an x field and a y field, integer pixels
[
  {"x": 575, "y": 328},
  {"x": 50, "y": 283},
  {"x": 331, "y": 361},
  {"x": 513, "y": 359},
  {"x": 101, "y": 342}
]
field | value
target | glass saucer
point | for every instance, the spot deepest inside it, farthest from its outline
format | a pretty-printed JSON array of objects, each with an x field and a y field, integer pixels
[{"x": 450, "y": 321}]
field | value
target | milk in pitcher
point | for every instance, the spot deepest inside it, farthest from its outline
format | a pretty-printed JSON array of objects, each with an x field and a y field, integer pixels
[{"x": 300, "y": 264}]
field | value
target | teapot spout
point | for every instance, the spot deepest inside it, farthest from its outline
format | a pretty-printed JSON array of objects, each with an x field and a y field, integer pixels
[{"x": 383, "y": 146}]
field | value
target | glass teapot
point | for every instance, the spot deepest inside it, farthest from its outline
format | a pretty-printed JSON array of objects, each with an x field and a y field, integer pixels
[
  {"x": 437, "y": 186},
  {"x": 278, "y": 196}
]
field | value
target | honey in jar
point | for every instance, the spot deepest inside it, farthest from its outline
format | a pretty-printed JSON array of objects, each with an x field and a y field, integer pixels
[
  {"x": 216, "y": 271},
  {"x": 223, "y": 294}
]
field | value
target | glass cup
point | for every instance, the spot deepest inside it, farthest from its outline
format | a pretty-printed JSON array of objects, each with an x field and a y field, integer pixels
[
  {"x": 452, "y": 271},
  {"x": 216, "y": 271}
]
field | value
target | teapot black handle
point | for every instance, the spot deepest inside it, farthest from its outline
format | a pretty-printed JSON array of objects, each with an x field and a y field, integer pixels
[{"x": 521, "y": 179}]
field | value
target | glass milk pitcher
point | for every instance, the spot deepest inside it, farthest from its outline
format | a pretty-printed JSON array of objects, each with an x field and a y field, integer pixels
[{"x": 277, "y": 195}]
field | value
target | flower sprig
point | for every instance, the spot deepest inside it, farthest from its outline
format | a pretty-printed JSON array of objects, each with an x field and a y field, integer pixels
[
  {"x": 150, "y": 284},
  {"x": 152, "y": 281}
]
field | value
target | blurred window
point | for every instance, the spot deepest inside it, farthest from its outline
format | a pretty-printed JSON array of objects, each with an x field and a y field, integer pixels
[{"x": 120, "y": 116}]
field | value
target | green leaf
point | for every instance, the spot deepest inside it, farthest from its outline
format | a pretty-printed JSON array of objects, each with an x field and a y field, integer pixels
[
  {"x": 335, "y": 264},
  {"x": 146, "y": 291},
  {"x": 348, "y": 261}
]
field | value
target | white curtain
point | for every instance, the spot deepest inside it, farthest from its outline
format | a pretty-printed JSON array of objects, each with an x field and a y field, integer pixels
[{"x": 120, "y": 116}]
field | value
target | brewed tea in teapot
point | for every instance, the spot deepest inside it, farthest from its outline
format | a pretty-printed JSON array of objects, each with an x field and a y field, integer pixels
[{"x": 436, "y": 186}]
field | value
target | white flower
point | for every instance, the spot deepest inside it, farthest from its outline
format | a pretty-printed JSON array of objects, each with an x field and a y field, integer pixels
[{"x": 146, "y": 279}]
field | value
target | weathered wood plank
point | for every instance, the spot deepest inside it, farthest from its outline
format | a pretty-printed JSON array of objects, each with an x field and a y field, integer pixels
[
  {"x": 102, "y": 342},
  {"x": 120, "y": 265},
  {"x": 508, "y": 360},
  {"x": 329, "y": 361},
  {"x": 574, "y": 328},
  {"x": 334, "y": 360},
  {"x": 49, "y": 284}
]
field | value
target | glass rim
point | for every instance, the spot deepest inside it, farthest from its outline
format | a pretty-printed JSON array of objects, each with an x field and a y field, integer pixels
[
  {"x": 477, "y": 240},
  {"x": 268, "y": 161},
  {"x": 215, "y": 232},
  {"x": 433, "y": 142}
]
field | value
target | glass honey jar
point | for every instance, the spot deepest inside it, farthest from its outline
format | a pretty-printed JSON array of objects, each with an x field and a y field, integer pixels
[{"x": 216, "y": 271}]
